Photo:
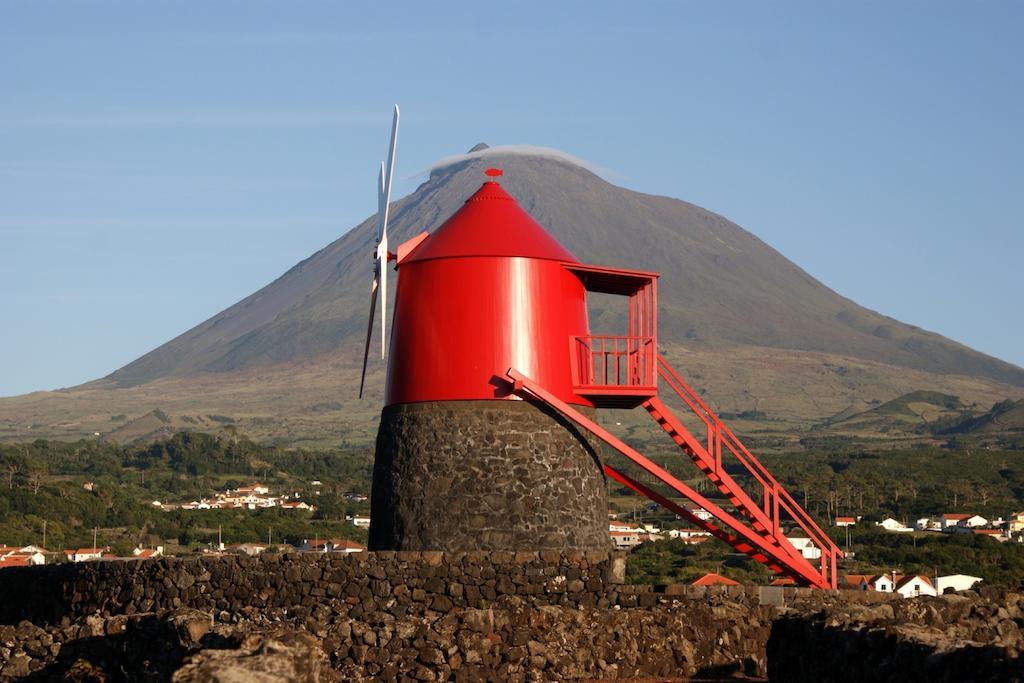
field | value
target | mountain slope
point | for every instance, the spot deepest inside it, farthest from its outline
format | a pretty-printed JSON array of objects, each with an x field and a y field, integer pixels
[
  {"x": 740, "y": 320},
  {"x": 720, "y": 284}
]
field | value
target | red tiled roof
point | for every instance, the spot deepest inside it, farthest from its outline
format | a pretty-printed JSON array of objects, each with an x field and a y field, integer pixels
[
  {"x": 15, "y": 561},
  {"x": 345, "y": 544},
  {"x": 711, "y": 579},
  {"x": 846, "y": 519},
  {"x": 782, "y": 581},
  {"x": 956, "y": 515},
  {"x": 904, "y": 580}
]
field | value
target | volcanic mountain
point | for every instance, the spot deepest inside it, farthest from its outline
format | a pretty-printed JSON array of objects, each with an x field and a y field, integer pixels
[{"x": 744, "y": 322}]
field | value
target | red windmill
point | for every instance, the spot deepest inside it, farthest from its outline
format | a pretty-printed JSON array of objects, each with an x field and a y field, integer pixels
[{"x": 486, "y": 435}]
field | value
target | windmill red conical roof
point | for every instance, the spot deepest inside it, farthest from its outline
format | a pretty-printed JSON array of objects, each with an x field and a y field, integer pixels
[{"x": 491, "y": 223}]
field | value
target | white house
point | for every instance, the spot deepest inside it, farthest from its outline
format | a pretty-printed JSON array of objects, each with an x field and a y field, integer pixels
[
  {"x": 250, "y": 549},
  {"x": 255, "y": 488},
  {"x": 148, "y": 553},
  {"x": 951, "y": 519},
  {"x": 881, "y": 583},
  {"x": 928, "y": 524},
  {"x": 343, "y": 545},
  {"x": 363, "y": 522},
  {"x": 890, "y": 524},
  {"x": 805, "y": 546},
  {"x": 299, "y": 505},
  {"x": 687, "y": 534},
  {"x": 914, "y": 585},
  {"x": 972, "y": 522},
  {"x": 958, "y": 582},
  {"x": 27, "y": 555},
  {"x": 625, "y": 539},
  {"x": 616, "y": 525},
  {"x": 85, "y": 554},
  {"x": 846, "y": 521},
  {"x": 701, "y": 513}
]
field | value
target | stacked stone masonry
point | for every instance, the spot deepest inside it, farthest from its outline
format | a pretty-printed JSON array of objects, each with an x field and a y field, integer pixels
[
  {"x": 485, "y": 475},
  {"x": 475, "y": 616}
]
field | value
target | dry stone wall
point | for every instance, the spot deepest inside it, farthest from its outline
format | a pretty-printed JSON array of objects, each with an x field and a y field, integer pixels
[
  {"x": 543, "y": 615},
  {"x": 298, "y": 583}
]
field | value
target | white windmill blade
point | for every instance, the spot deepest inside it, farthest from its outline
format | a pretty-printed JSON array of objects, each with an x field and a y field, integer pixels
[
  {"x": 380, "y": 205},
  {"x": 382, "y": 242},
  {"x": 369, "y": 327},
  {"x": 391, "y": 166},
  {"x": 382, "y": 262},
  {"x": 380, "y": 255}
]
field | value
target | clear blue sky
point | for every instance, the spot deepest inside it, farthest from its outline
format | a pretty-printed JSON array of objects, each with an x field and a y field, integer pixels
[{"x": 160, "y": 161}]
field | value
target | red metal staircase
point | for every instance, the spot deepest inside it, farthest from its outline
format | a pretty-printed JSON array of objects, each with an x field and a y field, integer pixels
[{"x": 756, "y": 527}]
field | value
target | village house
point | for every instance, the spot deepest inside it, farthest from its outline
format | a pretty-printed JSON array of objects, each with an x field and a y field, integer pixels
[
  {"x": 299, "y": 505},
  {"x": 250, "y": 549},
  {"x": 928, "y": 524},
  {"x": 973, "y": 522},
  {"x": 995, "y": 534},
  {"x": 148, "y": 553},
  {"x": 362, "y": 522},
  {"x": 712, "y": 579},
  {"x": 914, "y": 585},
  {"x": 331, "y": 545},
  {"x": 342, "y": 545},
  {"x": 701, "y": 514},
  {"x": 86, "y": 554},
  {"x": 255, "y": 489},
  {"x": 957, "y": 582},
  {"x": 969, "y": 521},
  {"x": 15, "y": 561},
  {"x": 846, "y": 521},
  {"x": 625, "y": 539},
  {"x": 806, "y": 547},
  {"x": 24, "y": 556},
  {"x": 688, "y": 534},
  {"x": 1015, "y": 524},
  {"x": 909, "y": 586},
  {"x": 881, "y": 583},
  {"x": 890, "y": 524},
  {"x": 623, "y": 526}
]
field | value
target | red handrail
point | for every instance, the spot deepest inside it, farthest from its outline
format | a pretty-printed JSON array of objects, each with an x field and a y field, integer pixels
[
  {"x": 613, "y": 361},
  {"x": 744, "y": 456}
]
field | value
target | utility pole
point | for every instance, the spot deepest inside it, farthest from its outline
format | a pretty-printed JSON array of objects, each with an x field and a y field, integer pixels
[
  {"x": 94, "y": 531},
  {"x": 44, "y": 534}
]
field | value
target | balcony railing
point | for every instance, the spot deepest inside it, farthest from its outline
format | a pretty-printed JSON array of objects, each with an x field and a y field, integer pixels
[{"x": 609, "y": 363}]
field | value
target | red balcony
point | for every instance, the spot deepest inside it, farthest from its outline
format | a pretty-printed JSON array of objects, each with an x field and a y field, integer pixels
[
  {"x": 618, "y": 371},
  {"x": 614, "y": 371}
]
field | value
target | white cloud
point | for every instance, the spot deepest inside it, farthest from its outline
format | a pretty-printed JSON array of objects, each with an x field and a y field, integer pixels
[{"x": 522, "y": 150}]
